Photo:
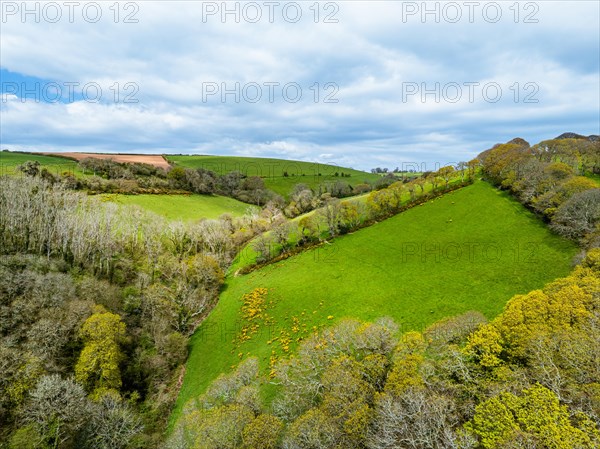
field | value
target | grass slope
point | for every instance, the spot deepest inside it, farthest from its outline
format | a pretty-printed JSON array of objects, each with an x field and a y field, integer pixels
[
  {"x": 56, "y": 165},
  {"x": 247, "y": 256},
  {"x": 272, "y": 170},
  {"x": 184, "y": 207},
  {"x": 408, "y": 267}
]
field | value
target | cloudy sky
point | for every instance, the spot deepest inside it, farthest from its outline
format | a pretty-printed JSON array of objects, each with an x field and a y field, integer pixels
[{"x": 356, "y": 83}]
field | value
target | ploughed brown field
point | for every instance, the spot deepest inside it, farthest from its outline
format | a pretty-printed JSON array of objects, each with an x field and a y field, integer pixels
[{"x": 156, "y": 160}]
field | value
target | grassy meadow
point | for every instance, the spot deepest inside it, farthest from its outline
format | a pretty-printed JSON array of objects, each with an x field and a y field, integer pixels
[
  {"x": 471, "y": 249},
  {"x": 9, "y": 162},
  {"x": 247, "y": 256},
  {"x": 184, "y": 207},
  {"x": 272, "y": 170}
]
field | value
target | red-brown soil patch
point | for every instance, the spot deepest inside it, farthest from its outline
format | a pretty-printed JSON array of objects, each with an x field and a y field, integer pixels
[{"x": 152, "y": 159}]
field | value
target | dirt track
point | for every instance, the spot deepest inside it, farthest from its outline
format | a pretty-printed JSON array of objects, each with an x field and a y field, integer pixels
[{"x": 156, "y": 160}]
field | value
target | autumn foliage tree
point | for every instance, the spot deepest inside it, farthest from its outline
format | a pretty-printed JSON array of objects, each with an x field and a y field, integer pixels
[{"x": 549, "y": 178}]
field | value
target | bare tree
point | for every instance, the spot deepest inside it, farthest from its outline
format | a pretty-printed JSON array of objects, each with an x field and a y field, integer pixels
[
  {"x": 112, "y": 425},
  {"x": 58, "y": 407},
  {"x": 331, "y": 212},
  {"x": 416, "y": 420},
  {"x": 282, "y": 234},
  {"x": 579, "y": 215}
]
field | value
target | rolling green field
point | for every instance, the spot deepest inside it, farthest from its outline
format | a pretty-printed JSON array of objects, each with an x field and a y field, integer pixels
[
  {"x": 184, "y": 207},
  {"x": 272, "y": 170},
  {"x": 9, "y": 162},
  {"x": 248, "y": 255},
  {"x": 472, "y": 249}
]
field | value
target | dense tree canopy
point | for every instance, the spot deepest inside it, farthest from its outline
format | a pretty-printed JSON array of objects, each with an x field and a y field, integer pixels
[{"x": 550, "y": 178}]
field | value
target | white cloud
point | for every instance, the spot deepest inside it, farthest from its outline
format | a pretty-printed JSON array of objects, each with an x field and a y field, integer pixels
[{"x": 370, "y": 55}]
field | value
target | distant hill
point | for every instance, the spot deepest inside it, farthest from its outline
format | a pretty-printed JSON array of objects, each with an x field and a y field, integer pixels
[
  {"x": 591, "y": 137},
  {"x": 279, "y": 175}
]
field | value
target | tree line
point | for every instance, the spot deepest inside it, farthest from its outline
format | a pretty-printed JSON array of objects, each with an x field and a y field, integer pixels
[
  {"x": 108, "y": 176},
  {"x": 335, "y": 217},
  {"x": 550, "y": 178}
]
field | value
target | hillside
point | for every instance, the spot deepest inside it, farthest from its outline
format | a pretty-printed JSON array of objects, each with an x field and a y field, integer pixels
[
  {"x": 185, "y": 207},
  {"x": 273, "y": 170},
  {"x": 468, "y": 250},
  {"x": 124, "y": 158},
  {"x": 247, "y": 257},
  {"x": 56, "y": 165},
  {"x": 173, "y": 207}
]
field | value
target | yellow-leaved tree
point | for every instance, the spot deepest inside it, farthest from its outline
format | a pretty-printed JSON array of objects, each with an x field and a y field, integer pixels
[
  {"x": 98, "y": 366},
  {"x": 534, "y": 419},
  {"x": 565, "y": 306}
]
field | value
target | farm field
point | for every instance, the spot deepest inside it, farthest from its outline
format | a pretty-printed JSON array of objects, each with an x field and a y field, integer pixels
[
  {"x": 9, "y": 161},
  {"x": 272, "y": 170},
  {"x": 184, "y": 207},
  {"x": 472, "y": 249},
  {"x": 151, "y": 159},
  {"x": 57, "y": 163}
]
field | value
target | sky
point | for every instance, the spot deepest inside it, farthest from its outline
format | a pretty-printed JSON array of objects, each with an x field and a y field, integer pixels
[{"x": 354, "y": 83}]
